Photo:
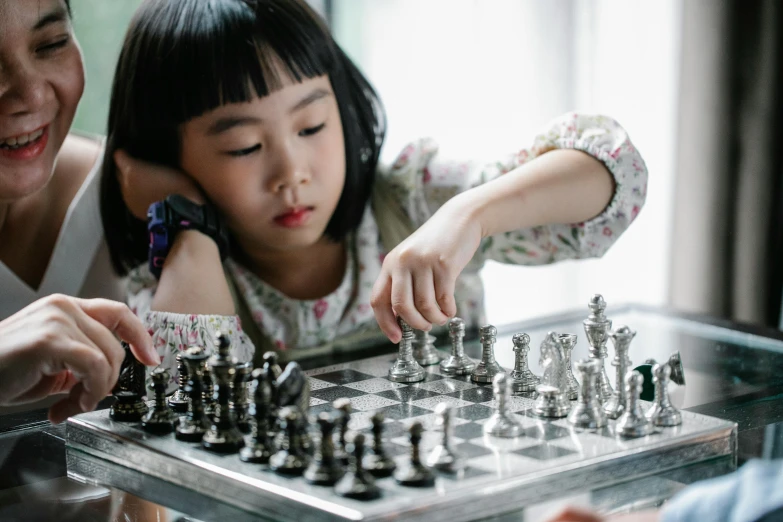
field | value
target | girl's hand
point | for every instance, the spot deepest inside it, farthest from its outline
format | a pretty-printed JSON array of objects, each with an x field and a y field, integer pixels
[
  {"x": 418, "y": 277},
  {"x": 144, "y": 183}
]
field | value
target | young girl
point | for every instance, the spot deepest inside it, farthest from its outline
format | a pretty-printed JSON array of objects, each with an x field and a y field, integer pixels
[{"x": 274, "y": 127}]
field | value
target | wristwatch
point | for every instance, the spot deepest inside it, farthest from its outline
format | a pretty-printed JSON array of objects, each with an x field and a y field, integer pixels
[{"x": 166, "y": 218}]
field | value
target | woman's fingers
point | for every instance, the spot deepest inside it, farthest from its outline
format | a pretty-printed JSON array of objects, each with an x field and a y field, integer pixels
[
  {"x": 118, "y": 319},
  {"x": 70, "y": 405}
]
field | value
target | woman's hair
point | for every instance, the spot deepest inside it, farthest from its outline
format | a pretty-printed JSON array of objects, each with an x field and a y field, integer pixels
[{"x": 182, "y": 58}]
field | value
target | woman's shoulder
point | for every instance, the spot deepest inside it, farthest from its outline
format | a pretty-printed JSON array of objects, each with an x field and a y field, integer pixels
[{"x": 77, "y": 158}]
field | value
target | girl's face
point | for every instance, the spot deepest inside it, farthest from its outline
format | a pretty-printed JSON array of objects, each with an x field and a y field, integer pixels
[
  {"x": 41, "y": 81},
  {"x": 274, "y": 167}
]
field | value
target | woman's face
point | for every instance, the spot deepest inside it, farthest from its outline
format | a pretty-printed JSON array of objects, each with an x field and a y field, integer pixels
[
  {"x": 41, "y": 81},
  {"x": 274, "y": 166}
]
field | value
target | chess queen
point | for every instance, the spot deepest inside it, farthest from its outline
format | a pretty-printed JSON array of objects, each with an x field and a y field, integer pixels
[{"x": 289, "y": 232}]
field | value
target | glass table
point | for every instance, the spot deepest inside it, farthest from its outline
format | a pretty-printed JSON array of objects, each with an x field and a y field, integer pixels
[{"x": 731, "y": 370}]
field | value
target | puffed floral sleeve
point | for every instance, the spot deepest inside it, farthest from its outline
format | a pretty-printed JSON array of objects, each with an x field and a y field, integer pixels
[
  {"x": 172, "y": 332},
  {"x": 419, "y": 182}
]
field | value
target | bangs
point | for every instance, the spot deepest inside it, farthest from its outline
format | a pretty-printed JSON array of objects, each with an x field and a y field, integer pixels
[{"x": 207, "y": 53}]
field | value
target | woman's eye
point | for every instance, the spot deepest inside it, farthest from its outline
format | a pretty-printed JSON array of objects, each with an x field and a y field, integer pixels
[
  {"x": 59, "y": 44},
  {"x": 311, "y": 130},
  {"x": 245, "y": 152}
]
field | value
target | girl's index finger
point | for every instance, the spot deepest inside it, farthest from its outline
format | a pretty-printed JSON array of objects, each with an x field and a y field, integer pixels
[{"x": 384, "y": 315}]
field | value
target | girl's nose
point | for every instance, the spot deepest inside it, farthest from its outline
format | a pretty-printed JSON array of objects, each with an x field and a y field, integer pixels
[
  {"x": 22, "y": 90},
  {"x": 289, "y": 173}
]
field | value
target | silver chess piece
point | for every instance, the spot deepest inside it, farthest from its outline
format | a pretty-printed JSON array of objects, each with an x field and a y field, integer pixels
[
  {"x": 663, "y": 413},
  {"x": 424, "y": 348},
  {"x": 501, "y": 423},
  {"x": 633, "y": 423},
  {"x": 405, "y": 368},
  {"x": 488, "y": 367},
  {"x": 522, "y": 379},
  {"x": 621, "y": 338},
  {"x": 178, "y": 402},
  {"x": 675, "y": 362},
  {"x": 588, "y": 414},
  {"x": 569, "y": 341},
  {"x": 457, "y": 363},
  {"x": 444, "y": 457},
  {"x": 552, "y": 400},
  {"x": 597, "y": 328}
]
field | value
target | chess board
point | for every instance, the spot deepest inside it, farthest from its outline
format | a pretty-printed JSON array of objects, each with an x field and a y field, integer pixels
[{"x": 550, "y": 459}]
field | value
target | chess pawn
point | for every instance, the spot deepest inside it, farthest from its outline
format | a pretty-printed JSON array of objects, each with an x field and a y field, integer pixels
[
  {"x": 444, "y": 457},
  {"x": 415, "y": 473},
  {"x": 501, "y": 423},
  {"x": 271, "y": 359},
  {"x": 569, "y": 341},
  {"x": 178, "y": 402},
  {"x": 633, "y": 423},
  {"x": 325, "y": 469},
  {"x": 160, "y": 419},
  {"x": 378, "y": 462},
  {"x": 621, "y": 338},
  {"x": 258, "y": 446},
  {"x": 357, "y": 483},
  {"x": 522, "y": 379},
  {"x": 597, "y": 328},
  {"x": 587, "y": 414},
  {"x": 195, "y": 422},
  {"x": 208, "y": 389},
  {"x": 223, "y": 435},
  {"x": 239, "y": 403},
  {"x": 342, "y": 408},
  {"x": 488, "y": 367},
  {"x": 290, "y": 459},
  {"x": 662, "y": 413},
  {"x": 457, "y": 363},
  {"x": 405, "y": 368},
  {"x": 424, "y": 348}
]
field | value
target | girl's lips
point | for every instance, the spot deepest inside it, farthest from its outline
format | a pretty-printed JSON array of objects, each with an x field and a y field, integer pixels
[
  {"x": 28, "y": 151},
  {"x": 294, "y": 218}
]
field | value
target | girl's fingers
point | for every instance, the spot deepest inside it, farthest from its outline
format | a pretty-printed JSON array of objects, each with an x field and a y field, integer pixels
[
  {"x": 444, "y": 292},
  {"x": 402, "y": 301},
  {"x": 424, "y": 297},
  {"x": 381, "y": 305}
]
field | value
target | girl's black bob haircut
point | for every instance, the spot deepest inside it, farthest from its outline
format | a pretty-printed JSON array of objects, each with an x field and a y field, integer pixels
[{"x": 182, "y": 58}]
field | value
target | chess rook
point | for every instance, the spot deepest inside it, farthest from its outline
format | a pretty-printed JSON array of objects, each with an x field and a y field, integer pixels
[
  {"x": 488, "y": 367},
  {"x": 633, "y": 423},
  {"x": 522, "y": 379},
  {"x": 597, "y": 328},
  {"x": 195, "y": 423},
  {"x": 444, "y": 457},
  {"x": 160, "y": 419},
  {"x": 223, "y": 436},
  {"x": 424, "y": 348},
  {"x": 178, "y": 402},
  {"x": 258, "y": 447},
  {"x": 621, "y": 338},
  {"x": 405, "y": 368},
  {"x": 378, "y": 462},
  {"x": 663, "y": 413},
  {"x": 357, "y": 483},
  {"x": 325, "y": 469},
  {"x": 415, "y": 473},
  {"x": 457, "y": 363},
  {"x": 501, "y": 423},
  {"x": 569, "y": 341},
  {"x": 587, "y": 414}
]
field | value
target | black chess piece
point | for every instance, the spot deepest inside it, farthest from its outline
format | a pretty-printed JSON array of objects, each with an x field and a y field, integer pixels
[
  {"x": 357, "y": 483},
  {"x": 274, "y": 371},
  {"x": 290, "y": 459},
  {"x": 271, "y": 359},
  {"x": 378, "y": 462},
  {"x": 160, "y": 419},
  {"x": 240, "y": 397},
  {"x": 415, "y": 474},
  {"x": 178, "y": 402},
  {"x": 325, "y": 469},
  {"x": 223, "y": 436},
  {"x": 342, "y": 413},
  {"x": 259, "y": 448},
  {"x": 293, "y": 389},
  {"x": 195, "y": 423},
  {"x": 129, "y": 405}
]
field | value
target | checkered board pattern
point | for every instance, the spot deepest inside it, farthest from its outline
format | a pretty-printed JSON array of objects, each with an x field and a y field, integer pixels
[{"x": 551, "y": 458}]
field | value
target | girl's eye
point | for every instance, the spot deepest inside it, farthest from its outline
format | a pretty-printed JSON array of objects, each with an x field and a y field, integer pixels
[
  {"x": 48, "y": 48},
  {"x": 312, "y": 130},
  {"x": 244, "y": 152}
]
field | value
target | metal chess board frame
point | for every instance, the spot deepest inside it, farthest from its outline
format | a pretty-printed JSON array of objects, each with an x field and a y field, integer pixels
[{"x": 507, "y": 476}]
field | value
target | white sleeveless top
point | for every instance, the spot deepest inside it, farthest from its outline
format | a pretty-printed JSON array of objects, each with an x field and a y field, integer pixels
[{"x": 79, "y": 265}]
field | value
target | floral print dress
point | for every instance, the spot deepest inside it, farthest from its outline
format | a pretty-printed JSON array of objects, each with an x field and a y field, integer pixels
[{"x": 416, "y": 185}]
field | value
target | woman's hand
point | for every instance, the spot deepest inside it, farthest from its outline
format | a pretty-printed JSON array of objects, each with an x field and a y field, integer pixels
[
  {"x": 418, "y": 277},
  {"x": 64, "y": 344},
  {"x": 144, "y": 183}
]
